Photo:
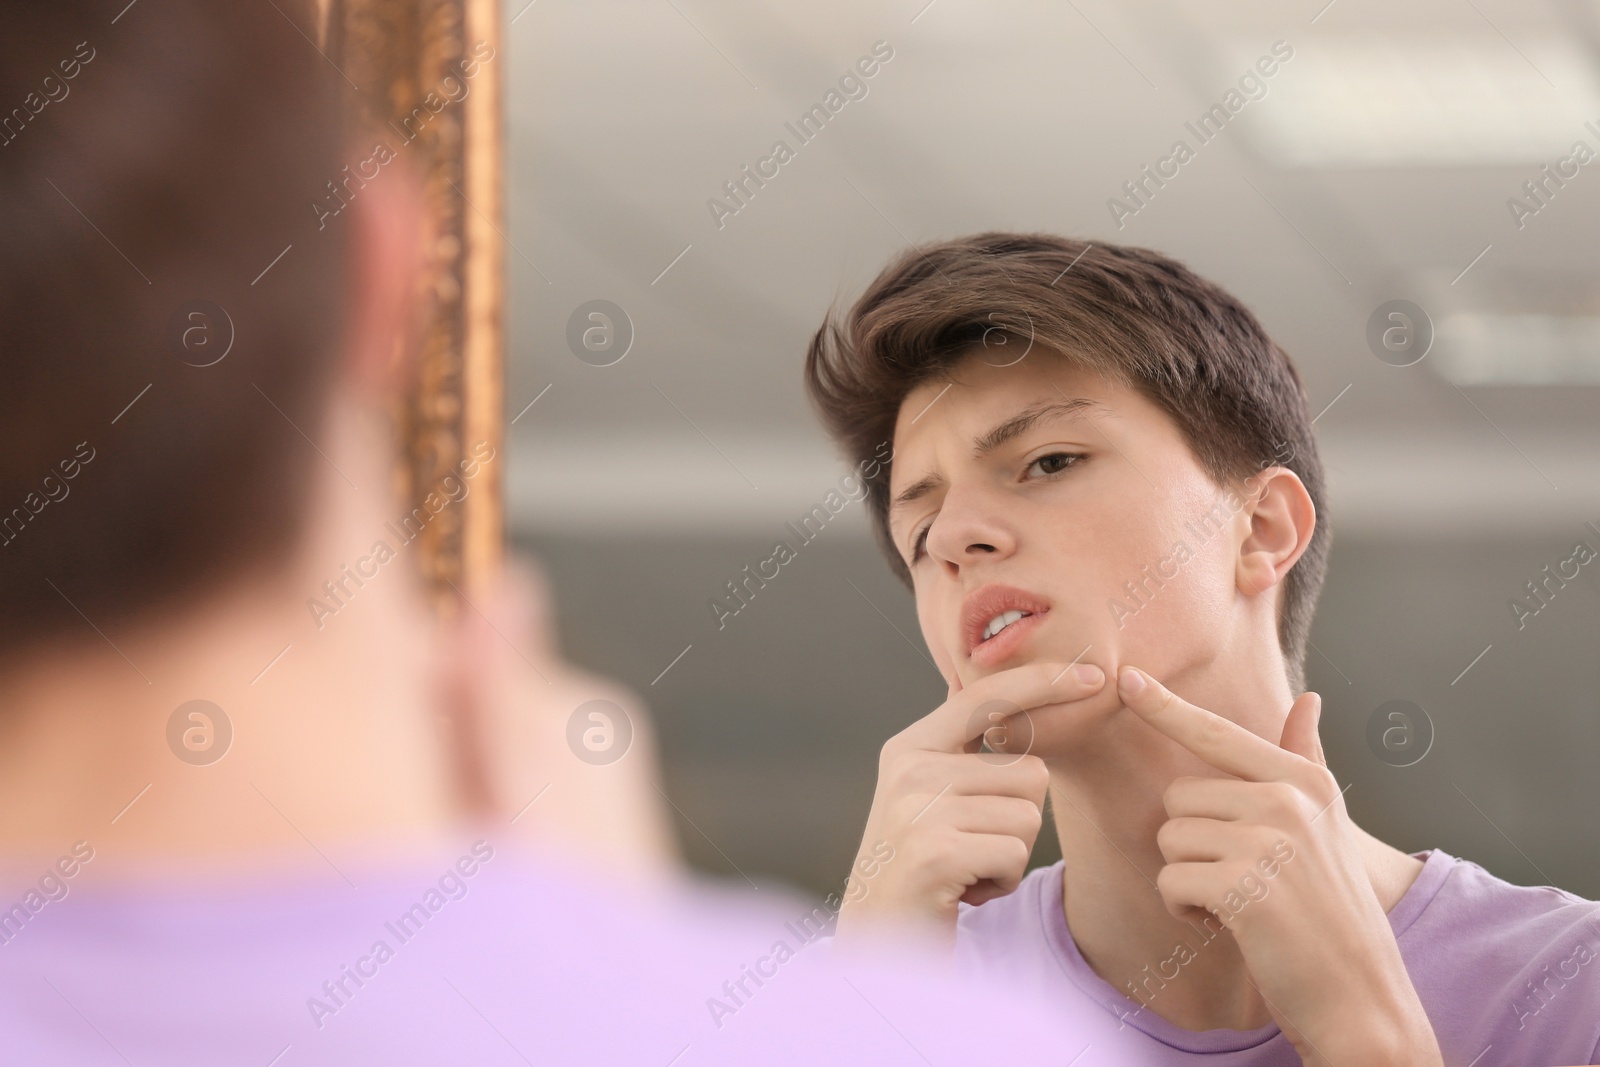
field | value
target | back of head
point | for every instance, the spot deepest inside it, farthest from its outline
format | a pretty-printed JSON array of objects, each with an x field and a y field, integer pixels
[{"x": 169, "y": 309}]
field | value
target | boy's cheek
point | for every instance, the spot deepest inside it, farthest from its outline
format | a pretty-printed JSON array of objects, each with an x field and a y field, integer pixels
[
  {"x": 1174, "y": 622},
  {"x": 934, "y": 636}
]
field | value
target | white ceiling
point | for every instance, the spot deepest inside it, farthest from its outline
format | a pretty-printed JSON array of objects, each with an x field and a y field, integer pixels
[{"x": 1377, "y": 166}]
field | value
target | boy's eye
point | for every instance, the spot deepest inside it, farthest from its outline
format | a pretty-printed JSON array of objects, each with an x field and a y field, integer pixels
[
  {"x": 1056, "y": 462},
  {"x": 916, "y": 546}
]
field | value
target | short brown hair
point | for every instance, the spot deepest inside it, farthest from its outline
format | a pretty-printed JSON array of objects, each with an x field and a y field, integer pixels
[
  {"x": 1134, "y": 314},
  {"x": 170, "y": 155}
]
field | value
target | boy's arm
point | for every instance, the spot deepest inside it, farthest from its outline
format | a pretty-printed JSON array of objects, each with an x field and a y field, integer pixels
[
  {"x": 958, "y": 823},
  {"x": 1290, "y": 883}
]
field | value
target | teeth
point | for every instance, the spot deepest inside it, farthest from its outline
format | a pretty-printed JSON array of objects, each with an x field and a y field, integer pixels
[{"x": 1002, "y": 620}]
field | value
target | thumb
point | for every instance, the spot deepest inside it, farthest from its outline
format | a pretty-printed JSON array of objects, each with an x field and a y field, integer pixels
[{"x": 1300, "y": 728}]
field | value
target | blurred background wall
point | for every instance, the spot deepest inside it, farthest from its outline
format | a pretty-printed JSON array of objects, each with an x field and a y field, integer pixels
[{"x": 1385, "y": 159}]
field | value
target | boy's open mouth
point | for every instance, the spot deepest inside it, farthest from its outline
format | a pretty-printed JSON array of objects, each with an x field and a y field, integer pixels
[
  {"x": 1001, "y": 621},
  {"x": 996, "y": 619}
]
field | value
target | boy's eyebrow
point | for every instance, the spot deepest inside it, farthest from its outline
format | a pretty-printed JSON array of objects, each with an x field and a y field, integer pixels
[{"x": 982, "y": 445}]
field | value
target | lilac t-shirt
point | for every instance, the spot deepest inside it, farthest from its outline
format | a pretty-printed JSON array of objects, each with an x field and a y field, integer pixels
[
  {"x": 479, "y": 956},
  {"x": 1508, "y": 974}
]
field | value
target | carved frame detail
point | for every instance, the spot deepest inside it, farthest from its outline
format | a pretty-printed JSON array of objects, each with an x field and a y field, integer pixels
[{"x": 429, "y": 83}]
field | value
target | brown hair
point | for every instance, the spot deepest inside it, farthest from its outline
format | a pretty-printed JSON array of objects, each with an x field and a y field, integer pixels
[
  {"x": 162, "y": 158},
  {"x": 1133, "y": 314}
]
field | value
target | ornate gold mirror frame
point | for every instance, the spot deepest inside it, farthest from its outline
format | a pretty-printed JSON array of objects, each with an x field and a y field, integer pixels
[{"x": 429, "y": 77}]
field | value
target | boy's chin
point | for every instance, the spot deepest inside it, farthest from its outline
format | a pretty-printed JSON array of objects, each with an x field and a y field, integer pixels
[{"x": 1053, "y": 729}]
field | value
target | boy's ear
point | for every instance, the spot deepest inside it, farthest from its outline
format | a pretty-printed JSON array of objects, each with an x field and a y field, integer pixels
[
  {"x": 393, "y": 231},
  {"x": 1282, "y": 518}
]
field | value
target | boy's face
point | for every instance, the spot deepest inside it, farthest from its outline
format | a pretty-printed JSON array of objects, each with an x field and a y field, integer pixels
[{"x": 1103, "y": 492}]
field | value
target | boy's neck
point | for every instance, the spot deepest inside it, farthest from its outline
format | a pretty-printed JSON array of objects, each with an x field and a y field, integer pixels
[
  {"x": 331, "y": 745},
  {"x": 1107, "y": 803}
]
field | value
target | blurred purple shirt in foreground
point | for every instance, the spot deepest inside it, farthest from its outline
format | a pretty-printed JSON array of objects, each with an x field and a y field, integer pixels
[{"x": 486, "y": 957}]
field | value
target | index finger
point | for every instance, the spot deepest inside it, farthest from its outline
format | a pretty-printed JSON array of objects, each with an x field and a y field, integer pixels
[
  {"x": 950, "y": 726},
  {"x": 1221, "y": 742}
]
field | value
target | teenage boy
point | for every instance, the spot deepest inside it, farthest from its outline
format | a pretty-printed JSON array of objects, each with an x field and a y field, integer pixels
[
  {"x": 1106, "y": 497},
  {"x": 319, "y": 891}
]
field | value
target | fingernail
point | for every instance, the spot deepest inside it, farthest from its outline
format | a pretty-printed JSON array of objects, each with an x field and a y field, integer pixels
[
  {"x": 1088, "y": 673},
  {"x": 1130, "y": 681}
]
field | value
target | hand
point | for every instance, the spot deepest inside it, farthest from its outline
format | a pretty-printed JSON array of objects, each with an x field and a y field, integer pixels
[
  {"x": 957, "y": 824},
  {"x": 1272, "y": 853},
  {"x": 509, "y": 696}
]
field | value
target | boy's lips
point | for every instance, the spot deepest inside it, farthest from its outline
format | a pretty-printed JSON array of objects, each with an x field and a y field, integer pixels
[{"x": 982, "y": 605}]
